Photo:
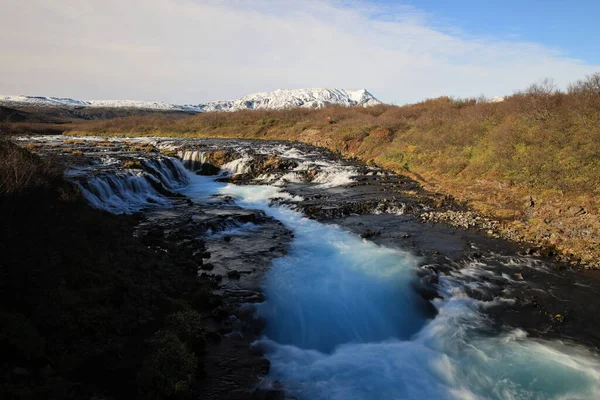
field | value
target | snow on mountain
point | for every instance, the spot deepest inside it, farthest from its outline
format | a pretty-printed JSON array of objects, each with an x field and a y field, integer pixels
[
  {"x": 279, "y": 99},
  {"x": 42, "y": 101},
  {"x": 72, "y": 103},
  {"x": 290, "y": 98}
]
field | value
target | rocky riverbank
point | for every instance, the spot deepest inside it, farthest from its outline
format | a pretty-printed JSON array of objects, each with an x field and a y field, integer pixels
[
  {"x": 213, "y": 254},
  {"x": 533, "y": 290},
  {"x": 104, "y": 306}
]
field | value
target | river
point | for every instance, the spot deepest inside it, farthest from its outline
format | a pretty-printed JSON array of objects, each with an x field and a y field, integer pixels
[{"x": 343, "y": 320}]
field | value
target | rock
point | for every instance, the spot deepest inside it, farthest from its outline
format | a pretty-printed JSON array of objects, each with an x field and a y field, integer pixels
[
  {"x": 227, "y": 238},
  {"x": 558, "y": 318},
  {"x": 198, "y": 259},
  {"x": 188, "y": 265},
  {"x": 154, "y": 237},
  {"x": 156, "y": 233},
  {"x": 47, "y": 371},
  {"x": 207, "y": 169},
  {"x": 207, "y": 267},
  {"x": 426, "y": 292},
  {"x": 576, "y": 210},
  {"x": 21, "y": 372},
  {"x": 233, "y": 274},
  {"x": 268, "y": 394},
  {"x": 370, "y": 234}
]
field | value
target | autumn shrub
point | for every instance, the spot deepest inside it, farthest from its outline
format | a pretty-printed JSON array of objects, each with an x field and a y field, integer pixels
[{"x": 22, "y": 171}]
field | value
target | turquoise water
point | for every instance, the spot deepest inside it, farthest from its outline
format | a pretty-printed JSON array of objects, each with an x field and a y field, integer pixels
[{"x": 343, "y": 323}]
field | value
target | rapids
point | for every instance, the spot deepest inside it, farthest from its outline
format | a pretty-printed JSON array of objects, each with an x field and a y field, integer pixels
[
  {"x": 342, "y": 318},
  {"x": 343, "y": 323}
]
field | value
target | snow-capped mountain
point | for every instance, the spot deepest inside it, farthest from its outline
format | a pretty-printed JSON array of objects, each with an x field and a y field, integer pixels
[
  {"x": 291, "y": 98},
  {"x": 277, "y": 100},
  {"x": 72, "y": 103}
]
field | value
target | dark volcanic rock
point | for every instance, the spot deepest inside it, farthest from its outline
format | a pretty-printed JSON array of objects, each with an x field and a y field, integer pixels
[
  {"x": 208, "y": 170},
  {"x": 233, "y": 274}
]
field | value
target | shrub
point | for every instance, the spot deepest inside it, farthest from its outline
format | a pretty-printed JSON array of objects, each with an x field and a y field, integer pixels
[
  {"x": 589, "y": 85},
  {"x": 188, "y": 327},
  {"x": 22, "y": 171},
  {"x": 19, "y": 338},
  {"x": 169, "y": 371}
]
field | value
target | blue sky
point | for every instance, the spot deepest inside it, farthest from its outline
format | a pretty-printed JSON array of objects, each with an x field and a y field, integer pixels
[
  {"x": 192, "y": 51},
  {"x": 572, "y": 27}
]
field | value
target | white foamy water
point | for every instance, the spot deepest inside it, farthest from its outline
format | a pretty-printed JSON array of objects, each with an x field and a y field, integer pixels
[
  {"x": 344, "y": 323},
  {"x": 129, "y": 190},
  {"x": 123, "y": 192},
  {"x": 192, "y": 159},
  {"x": 238, "y": 166}
]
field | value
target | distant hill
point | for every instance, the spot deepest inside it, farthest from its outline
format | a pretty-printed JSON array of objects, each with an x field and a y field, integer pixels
[{"x": 277, "y": 100}]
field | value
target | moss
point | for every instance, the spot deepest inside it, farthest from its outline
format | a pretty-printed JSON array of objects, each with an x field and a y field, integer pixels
[{"x": 133, "y": 164}]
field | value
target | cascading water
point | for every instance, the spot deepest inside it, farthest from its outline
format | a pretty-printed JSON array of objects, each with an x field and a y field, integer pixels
[
  {"x": 192, "y": 160},
  {"x": 343, "y": 323},
  {"x": 127, "y": 191},
  {"x": 237, "y": 166},
  {"x": 168, "y": 171},
  {"x": 120, "y": 192}
]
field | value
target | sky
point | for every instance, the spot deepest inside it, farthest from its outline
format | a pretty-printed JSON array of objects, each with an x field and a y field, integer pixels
[{"x": 193, "y": 51}]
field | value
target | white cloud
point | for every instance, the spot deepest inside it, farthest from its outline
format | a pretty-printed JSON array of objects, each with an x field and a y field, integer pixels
[{"x": 189, "y": 51}]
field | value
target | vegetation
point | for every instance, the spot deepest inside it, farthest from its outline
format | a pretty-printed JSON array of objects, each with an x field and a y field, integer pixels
[
  {"x": 86, "y": 309},
  {"x": 539, "y": 137},
  {"x": 538, "y": 143}
]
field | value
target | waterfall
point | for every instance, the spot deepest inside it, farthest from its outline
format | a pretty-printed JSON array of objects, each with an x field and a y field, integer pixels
[
  {"x": 239, "y": 166},
  {"x": 130, "y": 190},
  {"x": 192, "y": 160},
  {"x": 169, "y": 171}
]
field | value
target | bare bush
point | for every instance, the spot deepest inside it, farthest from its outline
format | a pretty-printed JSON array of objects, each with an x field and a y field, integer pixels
[
  {"x": 545, "y": 87},
  {"x": 589, "y": 85},
  {"x": 21, "y": 170}
]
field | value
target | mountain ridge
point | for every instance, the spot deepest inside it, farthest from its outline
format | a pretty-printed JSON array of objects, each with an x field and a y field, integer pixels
[{"x": 275, "y": 100}]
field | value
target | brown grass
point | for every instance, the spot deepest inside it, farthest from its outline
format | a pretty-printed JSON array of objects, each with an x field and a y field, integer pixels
[
  {"x": 539, "y": 143},
  {"x": 31, "y": 128},
  {"x": 22, "y": 171}
]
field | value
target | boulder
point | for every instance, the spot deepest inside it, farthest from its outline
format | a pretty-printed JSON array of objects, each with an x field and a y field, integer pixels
[{"x": 207, "y": 169}]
